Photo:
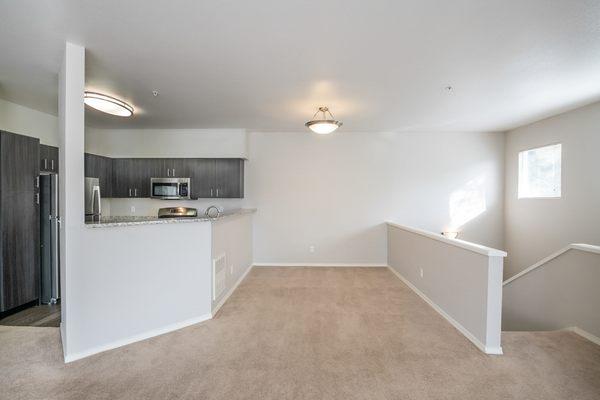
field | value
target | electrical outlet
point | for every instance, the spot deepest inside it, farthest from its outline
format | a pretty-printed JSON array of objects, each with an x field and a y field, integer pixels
[
  {"x": 311, "y": 249},
  {"x": 421, "y": 271},
  {"x": 133, "y": 209}
]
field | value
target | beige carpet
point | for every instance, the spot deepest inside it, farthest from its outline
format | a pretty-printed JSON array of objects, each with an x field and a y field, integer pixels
[{"x": 308, "y": 333}]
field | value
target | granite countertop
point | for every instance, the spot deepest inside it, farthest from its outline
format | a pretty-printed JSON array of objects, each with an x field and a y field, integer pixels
[{"x": 107, "y": 222}]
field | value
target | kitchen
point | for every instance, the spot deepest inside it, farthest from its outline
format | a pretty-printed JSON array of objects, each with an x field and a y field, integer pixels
[{"x": 124, "y": 200}]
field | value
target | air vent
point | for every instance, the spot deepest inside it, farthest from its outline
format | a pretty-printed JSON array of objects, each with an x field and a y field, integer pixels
[{"x": 219, "y": 276}]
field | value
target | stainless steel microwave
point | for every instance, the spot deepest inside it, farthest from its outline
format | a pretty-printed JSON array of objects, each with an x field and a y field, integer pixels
[{"x": 170, "y": 188}]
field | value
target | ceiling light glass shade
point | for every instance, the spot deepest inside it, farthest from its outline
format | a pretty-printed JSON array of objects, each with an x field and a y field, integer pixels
[
  {"x": 325, "y": 125},
  {"x": 107, "y": 104}
]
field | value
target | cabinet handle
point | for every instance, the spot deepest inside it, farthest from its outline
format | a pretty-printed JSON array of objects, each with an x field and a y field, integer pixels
[
  {"x": 37, "y": 198},
  {"x": 168, "y": 172},
  {"x": 211, "y": 192},
  {"x": 52, "y": 165},
  {"x": 37, "y": 182},
  {"x": 217, "y": 192},
  {"x": 129, "y": 192},
  {"x": 135, "y": 192},
  {"x": 45, "y": 163},
  {"x": 173, "y": 171}
]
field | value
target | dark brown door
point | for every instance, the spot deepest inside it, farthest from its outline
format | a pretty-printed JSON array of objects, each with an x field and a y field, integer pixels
[{"x": 19, "y": 220}]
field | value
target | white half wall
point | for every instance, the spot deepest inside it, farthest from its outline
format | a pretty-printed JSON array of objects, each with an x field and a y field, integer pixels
[
  {"x": 536, "y": 228},
  {"x": 26, "y": 121},
  {"x": 232, "y": 238},
  {"x": 335, "y": 192},
  {"x": 460, "y": 280},
  {"x": 135, "y": 282}
]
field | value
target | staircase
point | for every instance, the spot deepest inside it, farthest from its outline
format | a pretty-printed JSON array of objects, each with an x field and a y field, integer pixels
[{"x": 560, "y": 292}]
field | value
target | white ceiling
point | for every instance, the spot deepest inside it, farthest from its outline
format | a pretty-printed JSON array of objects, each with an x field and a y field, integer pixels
[{"x": 267, "y": 64}]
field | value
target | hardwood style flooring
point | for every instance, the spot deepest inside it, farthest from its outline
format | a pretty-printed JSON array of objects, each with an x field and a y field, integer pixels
[
  {"x": 47, "y": 315},
  {"x": 308, "y": 333}
]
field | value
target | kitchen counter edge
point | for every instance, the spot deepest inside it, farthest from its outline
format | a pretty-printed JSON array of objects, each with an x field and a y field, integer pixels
[{"x": 111, "y": 222}]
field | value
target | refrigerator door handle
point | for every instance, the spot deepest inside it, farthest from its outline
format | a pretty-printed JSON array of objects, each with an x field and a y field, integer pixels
[{"x": 96, "y": 199}]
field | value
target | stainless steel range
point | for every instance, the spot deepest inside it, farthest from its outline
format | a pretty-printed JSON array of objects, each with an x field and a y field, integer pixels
[{"x": 177, "y": 212}]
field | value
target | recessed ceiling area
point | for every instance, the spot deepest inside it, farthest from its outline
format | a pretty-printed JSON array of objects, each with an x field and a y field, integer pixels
[{"x": 268, "y": 64}]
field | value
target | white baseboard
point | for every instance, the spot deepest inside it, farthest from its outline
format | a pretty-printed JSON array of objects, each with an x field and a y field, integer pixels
[
  {"x": 224, "y": 299},
  {"x": 307, "y": 264},
  {"x": 585, "y": 334},
  {"x": 453, "y": 322},
  {"x": 136, "y": 338}
]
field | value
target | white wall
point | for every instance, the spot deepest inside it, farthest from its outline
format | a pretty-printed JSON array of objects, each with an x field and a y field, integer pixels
[
  {"x": 536, "y": 228},
  {"x": 25, "y": 121},
  {"x": 198, "y": 143},
  {"x": 335, "y": 192}
]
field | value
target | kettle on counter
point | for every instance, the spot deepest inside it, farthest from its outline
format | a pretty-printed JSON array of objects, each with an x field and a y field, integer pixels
[{"x": 213, "y": 212}]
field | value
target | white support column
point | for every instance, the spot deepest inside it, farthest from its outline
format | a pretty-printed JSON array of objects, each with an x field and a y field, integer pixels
[
  {"x": 71, "y": 174},
  {"x": 493, "y": 335}
]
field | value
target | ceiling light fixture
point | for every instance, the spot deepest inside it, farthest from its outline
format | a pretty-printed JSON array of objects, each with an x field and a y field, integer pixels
[
  {"x": 107, "y": 104},
  {"x": 325, "y": 125}
]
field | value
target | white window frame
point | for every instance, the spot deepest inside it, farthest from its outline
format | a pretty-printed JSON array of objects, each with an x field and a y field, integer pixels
[{"x": 520, "y": 167}]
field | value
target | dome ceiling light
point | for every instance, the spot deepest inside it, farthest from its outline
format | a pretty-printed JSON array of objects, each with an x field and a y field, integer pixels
[
  {"x": 324, "y": 125},
  {"x": 107, "y": 104}
]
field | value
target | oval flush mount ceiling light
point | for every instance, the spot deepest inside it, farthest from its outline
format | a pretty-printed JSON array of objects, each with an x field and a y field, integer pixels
[
  {"x": 324, "y": 125},
  {"x": 107, "y": 104}
]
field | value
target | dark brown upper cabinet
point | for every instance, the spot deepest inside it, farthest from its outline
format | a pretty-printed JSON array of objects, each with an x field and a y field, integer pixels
[
  {"x": 102, "y": 168},
  {"x": 48, "y": 158},
  {"x": 210, "y": 177},
  {"x": 202, "y": 178},
  {"x": 229, "y": 178},
  {"x": 130, "y": 177}
]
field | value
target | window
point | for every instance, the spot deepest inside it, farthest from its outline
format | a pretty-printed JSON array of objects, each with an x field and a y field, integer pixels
[{"x": 539, "y": 172}]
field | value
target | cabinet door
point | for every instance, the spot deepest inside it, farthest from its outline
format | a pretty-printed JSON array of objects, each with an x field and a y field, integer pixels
[
  {"x": 202, "y": 174},
  {"x": 48, "y": 158},
  {"x": 106, "y": 176},
  {"x": 52, "y": 158},
  {"x": 143, "y": 170},
  {"x": 101, "y": 168},
  {"x": 229, "y": 178},
  {"x": 19, "y": 220},
  {"x": 122, "y": 177},
  {"x": 44, "y": 154},
  {"x": 180, "y": 167},
  {"x": 175, "y": 168}
]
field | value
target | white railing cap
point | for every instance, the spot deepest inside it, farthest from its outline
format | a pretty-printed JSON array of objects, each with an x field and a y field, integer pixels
[
  {"x": 474, "y": 247},
  {"x": 573, "y": 246}
]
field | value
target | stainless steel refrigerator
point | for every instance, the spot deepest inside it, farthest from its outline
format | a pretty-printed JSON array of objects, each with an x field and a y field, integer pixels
[
  {"x": 93, "y": 199},
  {"x": 49, "y": 237}
]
